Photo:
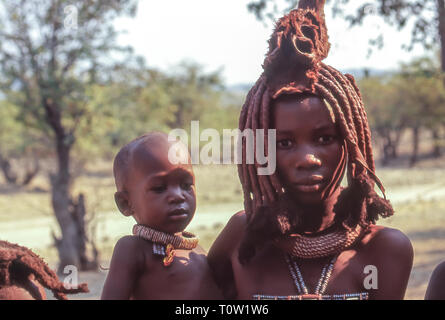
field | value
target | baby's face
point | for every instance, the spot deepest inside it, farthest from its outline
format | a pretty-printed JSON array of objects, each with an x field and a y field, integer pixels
[{"x": 161, "y": 194}]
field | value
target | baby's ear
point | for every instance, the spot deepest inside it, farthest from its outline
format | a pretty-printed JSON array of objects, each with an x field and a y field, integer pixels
[{"x": 123, "y": 203}]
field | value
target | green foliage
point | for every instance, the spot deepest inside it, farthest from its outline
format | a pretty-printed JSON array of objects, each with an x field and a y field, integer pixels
[
  {"x": 17, "y": 139},
  {"x": 139, "y": 100},
  {"x": 414, "y": 95}
]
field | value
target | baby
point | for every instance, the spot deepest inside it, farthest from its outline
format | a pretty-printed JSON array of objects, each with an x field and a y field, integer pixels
[{"x": 160, "y": 260}]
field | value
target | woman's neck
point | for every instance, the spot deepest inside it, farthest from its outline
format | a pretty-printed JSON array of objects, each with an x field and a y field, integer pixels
[{"x": 321, "y": 216}]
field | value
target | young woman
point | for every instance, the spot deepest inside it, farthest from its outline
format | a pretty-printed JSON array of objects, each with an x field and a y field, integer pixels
[{"x": 302, "y": 235}]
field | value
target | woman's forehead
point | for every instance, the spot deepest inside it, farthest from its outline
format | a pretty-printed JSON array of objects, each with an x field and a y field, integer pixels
[{"x": 309, "y": 111}]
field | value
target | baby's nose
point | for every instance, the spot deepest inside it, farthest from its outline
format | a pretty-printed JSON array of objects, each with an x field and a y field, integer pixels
[{"x": 175, "y": 195}]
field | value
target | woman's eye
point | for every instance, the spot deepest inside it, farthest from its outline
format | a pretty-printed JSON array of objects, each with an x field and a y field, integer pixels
[
  {"x": 326, "y": 139},
  {"x": 284, "y": 144}
]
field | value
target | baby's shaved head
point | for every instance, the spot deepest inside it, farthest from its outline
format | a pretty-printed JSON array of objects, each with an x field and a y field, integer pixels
[{"x": 124, "y": 158}]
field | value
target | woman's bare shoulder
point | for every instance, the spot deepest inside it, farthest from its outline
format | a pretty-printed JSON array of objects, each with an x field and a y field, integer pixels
[
  {"x": 238, "y": 221},
  {"x": 230, "y": 236},
  {"x": 388, "y": 241}
]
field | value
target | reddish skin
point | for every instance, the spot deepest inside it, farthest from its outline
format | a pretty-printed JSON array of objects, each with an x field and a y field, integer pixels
[
  {"x": 156, "y": 187},
  {"x": 436, "y": 286},
  {"x": 303, "y": 151}
]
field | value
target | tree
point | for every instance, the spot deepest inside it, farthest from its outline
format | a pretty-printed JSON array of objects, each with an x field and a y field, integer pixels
[
  {"x": 386, "y": 118},
  {"x": 141, "y": 99},
  {"x": 192, "y": 92},
  {"x": 426, "y": 18},
  {"x": 50, "y": 52},
  {"x": 17, "y": 143},
  {"x": 420, "y": 84}
]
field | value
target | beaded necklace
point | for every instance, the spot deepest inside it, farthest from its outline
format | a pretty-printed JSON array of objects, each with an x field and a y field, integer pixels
[
  {"x": 164, "y": 244},
  {"x": 305, "y": 247},
  {"x": 299, "y": 282},
  {"x": 302, "y": 290}
]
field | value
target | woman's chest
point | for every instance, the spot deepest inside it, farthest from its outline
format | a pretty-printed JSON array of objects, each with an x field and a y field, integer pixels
[{"x": 272, "y": 274}]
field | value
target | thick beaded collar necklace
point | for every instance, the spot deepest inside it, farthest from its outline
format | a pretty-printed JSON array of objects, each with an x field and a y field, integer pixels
[
  {"x": 164, "y": 244},
  {"x": 326, "y": 245}
]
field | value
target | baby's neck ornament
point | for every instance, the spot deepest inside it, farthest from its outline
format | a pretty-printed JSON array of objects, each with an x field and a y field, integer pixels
[{"x": 164, "y": 244}]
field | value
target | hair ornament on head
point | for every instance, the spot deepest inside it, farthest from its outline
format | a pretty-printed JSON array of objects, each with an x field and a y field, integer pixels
[{"x": 296, "y": 48}]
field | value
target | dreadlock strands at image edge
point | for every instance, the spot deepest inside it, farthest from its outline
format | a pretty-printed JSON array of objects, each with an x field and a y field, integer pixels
[{"x": 14, "y": 257}]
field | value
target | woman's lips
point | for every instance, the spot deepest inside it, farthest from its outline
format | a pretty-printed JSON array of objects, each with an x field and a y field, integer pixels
[
  {"x": 312, "y": 184},
  {"x": 308, "y": 187}
]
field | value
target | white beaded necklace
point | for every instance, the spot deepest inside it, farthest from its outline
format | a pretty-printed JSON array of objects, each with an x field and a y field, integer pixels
[{"x": 299, "y": 282}]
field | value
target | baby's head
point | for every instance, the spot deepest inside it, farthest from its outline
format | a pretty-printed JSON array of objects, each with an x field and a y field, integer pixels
[{"x": 157, "y": 192}]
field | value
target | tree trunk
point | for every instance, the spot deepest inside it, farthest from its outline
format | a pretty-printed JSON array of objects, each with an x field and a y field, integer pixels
[
  {"x": 10, "y": 176},
  {"x": 436, "y": 143},
  {"x": 415, "y": 152},
  {"x": 70, "y": 216},
  {"x": 397, "y": 139},
  {"x": 60, "y": 192},
  {"x": 387, "y": 149},
  {"x": 441, "y": 18},
  {"x": 388, "y": 146}
]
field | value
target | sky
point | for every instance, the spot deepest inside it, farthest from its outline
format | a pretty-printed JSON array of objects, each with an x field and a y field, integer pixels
[{"x": 223, "y": 35}]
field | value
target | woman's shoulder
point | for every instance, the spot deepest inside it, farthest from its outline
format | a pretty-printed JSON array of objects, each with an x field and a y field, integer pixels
[
  {"x": 229, "y": 238},
  {"x": 238, "y": 220},
  {"x": 388, "y": 241},
  {"x": 235, "y": 227},
  {"x": 384, "y": 235}
]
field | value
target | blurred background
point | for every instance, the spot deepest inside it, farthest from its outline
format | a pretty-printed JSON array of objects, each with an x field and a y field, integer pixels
[{"x": 80, "y": 78}]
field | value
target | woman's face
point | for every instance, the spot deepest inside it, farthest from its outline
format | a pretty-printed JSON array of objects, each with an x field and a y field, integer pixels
[{"x": 309, "y": 147}]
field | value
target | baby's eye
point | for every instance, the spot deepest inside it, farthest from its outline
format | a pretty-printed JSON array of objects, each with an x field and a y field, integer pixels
[
  {"x": 326, "y": 139},
  {"x": 158, "y": 189},
  {"x": 187, "y": 186},
  {"x": 284, "y": 143}
]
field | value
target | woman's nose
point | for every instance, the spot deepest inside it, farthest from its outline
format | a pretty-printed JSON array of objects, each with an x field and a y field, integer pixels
[{"x": 307, "y": 160}]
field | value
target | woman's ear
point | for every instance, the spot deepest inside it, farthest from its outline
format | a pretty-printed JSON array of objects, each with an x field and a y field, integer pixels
[{"x": 123, "y": 203}]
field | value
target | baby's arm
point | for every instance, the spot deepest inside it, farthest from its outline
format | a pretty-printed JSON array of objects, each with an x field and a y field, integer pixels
[{"x": 126, "y": 265}]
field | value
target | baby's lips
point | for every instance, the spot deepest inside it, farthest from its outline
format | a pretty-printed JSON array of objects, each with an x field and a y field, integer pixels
[{"x": 177, "y": 212}]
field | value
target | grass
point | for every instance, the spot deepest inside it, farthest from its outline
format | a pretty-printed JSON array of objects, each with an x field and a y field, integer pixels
[{"x": 220, "y": 195}]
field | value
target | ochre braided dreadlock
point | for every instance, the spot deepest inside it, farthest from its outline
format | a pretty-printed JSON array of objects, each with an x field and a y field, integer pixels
[
  {"x": 293, "y": 66},
  {"x": 17, "y": 263}
]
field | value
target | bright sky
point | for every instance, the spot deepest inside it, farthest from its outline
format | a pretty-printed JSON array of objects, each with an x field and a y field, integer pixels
[{"x": 223, "y": 34}]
